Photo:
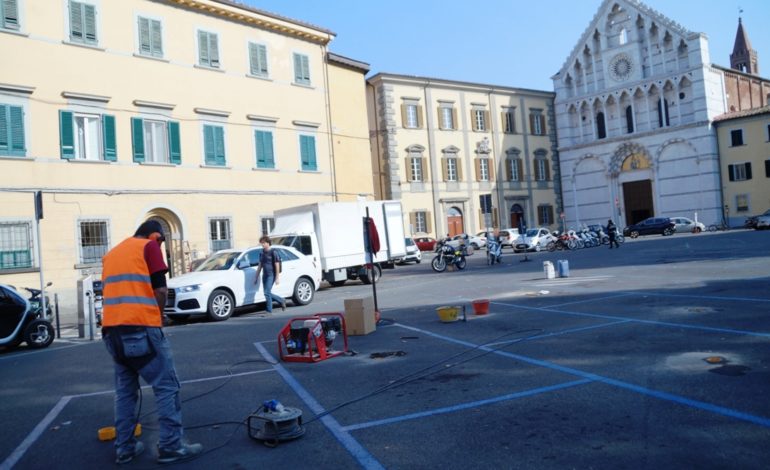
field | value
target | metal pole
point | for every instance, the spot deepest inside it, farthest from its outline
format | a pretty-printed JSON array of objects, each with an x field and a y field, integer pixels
[
  {"x": 371, "y": 253},
  {"x": 90, "y": 315},
  {"x": 40, "y": 262},
  {"x": 58, "y": 324}
]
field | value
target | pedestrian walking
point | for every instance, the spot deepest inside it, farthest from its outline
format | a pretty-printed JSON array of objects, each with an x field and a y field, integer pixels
[
  {"x": 134, "y": 277},
  {"x": 612, "y": 232},
  {"x": 270, "y": 267}
]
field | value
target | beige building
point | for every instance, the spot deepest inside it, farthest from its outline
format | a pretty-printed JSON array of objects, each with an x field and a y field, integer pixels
[
  {"x": 744, "y": 153},
  {"x": 206, "y": 115},
  {"x": 462, "y": 157}
]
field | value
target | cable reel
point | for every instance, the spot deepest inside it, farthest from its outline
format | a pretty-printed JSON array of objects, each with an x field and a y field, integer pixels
[{"x": 275, "y": 423}]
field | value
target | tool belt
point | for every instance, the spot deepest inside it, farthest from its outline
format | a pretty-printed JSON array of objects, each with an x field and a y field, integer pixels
[{"x": 131, "y": 345}]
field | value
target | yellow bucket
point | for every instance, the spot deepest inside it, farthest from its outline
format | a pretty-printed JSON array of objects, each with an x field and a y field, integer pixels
[{"x": 448, "y": 314}]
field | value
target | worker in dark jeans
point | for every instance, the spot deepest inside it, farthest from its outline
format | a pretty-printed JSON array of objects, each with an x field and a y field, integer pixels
[{"x": 612, "y": 232}]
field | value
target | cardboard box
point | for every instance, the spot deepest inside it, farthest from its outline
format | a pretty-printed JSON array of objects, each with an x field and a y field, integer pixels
[{"x": 359, "y": 316}]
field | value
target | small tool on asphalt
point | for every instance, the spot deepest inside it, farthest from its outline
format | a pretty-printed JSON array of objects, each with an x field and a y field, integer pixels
[{"x": 280, "y": 423}]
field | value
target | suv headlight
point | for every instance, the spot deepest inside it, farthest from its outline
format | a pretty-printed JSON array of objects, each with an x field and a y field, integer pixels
[{"x": 185, "y": 289}]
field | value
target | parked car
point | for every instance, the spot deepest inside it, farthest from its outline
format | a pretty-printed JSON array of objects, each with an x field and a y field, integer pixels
[
  {"x": 508, "y": 236},
  {"x": 534, "y": 239},
  {"x": 652, "y": 226},
  {"x": 226, "y": 281},
  {"x": 763, "y": 222},
  {"x": 425, "y": 243},
  {"x": 685, "y": 225},
  {"x": 412, "y": 252},
  {"x": 470, "y": 240},
  {"x": 751, "y": 222}
]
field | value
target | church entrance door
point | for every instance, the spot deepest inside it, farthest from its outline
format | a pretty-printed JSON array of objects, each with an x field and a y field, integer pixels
[{"x": 637, "y": 198}]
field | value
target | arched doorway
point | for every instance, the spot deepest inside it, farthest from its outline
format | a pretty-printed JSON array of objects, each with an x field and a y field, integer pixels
[
  {"x": 454, "y": 221},
  {"x": 176, "y": 249},
  {"x": 517, "y": 216},
  {"x": 637, "y": 194}
]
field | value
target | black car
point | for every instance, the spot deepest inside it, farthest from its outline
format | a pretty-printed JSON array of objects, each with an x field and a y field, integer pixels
[
  {"x": 652, "y": 226},
  {"x": 751, "y": 222}
]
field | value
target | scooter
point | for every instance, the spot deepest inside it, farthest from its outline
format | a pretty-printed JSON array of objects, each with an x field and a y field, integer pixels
[
  {"x": 23, "y": 321},
  {"x": 494, "y": 251}
]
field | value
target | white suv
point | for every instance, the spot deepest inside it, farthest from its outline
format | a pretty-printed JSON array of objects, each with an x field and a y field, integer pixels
[{"x": 535, "y": 239}]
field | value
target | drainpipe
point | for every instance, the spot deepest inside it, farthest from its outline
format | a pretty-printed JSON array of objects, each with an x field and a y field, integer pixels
[
  {"x": 327, "y": 98},
  {"x": 428, "y": 118},
  {"x": 377, "y": 141}
]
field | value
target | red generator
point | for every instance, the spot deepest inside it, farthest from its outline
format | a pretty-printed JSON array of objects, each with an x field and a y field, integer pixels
[{"x": 310, "y": 339}]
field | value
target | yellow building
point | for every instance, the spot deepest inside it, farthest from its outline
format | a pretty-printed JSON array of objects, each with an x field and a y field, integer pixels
[
  {"x": 463, "y": 157},
  {"x": 744, "y": 157},
  {"x": 206, "y": 115}
]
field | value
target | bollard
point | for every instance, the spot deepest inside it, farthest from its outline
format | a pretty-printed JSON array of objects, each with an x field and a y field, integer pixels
[
  {"x": 563, "y": 266},
  {"x": 548, "y": 268}
]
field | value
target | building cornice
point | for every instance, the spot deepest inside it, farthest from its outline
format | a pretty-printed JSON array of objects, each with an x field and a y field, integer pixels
[{"x": 415, "y": 80}]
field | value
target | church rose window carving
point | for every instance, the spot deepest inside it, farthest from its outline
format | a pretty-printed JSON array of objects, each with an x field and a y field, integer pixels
[{"x": 621, "y": 67}]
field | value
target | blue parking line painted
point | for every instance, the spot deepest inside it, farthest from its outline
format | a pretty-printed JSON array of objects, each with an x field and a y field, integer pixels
[
  {"x": 33, "y": 436},
  {"x": 558, "y": 333},
  {"x": 593, "y": 299},
  {"x": 358, "y": 451},
  {"x": 639, "y": 320},
  {"x": 696, "y": 296},
  {"x": 465, "y": 406},
  {"x": 760, "y": 420}
]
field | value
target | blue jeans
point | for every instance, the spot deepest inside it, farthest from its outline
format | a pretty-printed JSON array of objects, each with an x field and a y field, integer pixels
[
  {"x": 267, "y": 285},
  {"x": 161, "y": 375}
]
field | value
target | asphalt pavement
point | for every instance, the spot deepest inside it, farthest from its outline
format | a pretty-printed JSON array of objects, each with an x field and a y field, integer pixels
[{"x": 655, "y": 355}]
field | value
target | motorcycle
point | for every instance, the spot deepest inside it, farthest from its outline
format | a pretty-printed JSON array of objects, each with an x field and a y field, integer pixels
[
  {"x": 36, "y": 304},
  {"x": 23, "y": 321},
  {"x": 447, "y": 255}
]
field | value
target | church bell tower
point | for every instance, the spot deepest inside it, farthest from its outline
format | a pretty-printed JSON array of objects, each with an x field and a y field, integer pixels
[{"x": 744, "y": 58}]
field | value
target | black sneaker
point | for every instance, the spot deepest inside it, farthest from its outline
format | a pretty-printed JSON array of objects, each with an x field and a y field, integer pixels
[
  {"x": 184, "y": 452},
  {"x": 126, "y": 457},
  {"x": 283, "y": 305}
]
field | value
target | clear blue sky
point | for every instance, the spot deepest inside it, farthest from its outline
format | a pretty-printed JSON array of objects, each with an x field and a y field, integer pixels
[{"x": 519, "y": 43}]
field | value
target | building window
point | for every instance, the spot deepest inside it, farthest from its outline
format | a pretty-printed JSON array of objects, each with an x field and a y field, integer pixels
[
  {"x": 663, "y": 118},
  {"x": 767, "y": 168},
  {"x": 514, "y": 169},
  {"x": 268, "y": 224},
  {"x": 623, "y": 37},
  {"x": 308, "y": 158},
  {"x": 483, "y": 169},
  {"x": 214, "y": 145},
  {"x": 447, "y": 120},
  {"x": 545, "y": 215},
  {"x": 742, "y": 202},
  {"x": 451, "y": 169},
  {"x": 208, "y": 49},
  {"x": 87, "y": 136},
  {"x": 9, "y": 10},
  {"x": 82, "y": 23},
  {"x": 509, "y": 122},
  {"x": 301, "y": 69},
  {"x": 150, "y": 37},
  {"x": 411, "y": 116},
  {"x": 739, "y": 171},
  {"x": 537, "y": 122},
  {"x": 156, "y": 141},
  {"x": 736, "y": 137},
  {"x": 601, "y": 130},
  {"x": 220, "y": 236},
  {"x": 264, "y": 145},
  {"x": 16, "y": 245},
  {"x": 12, "y": 131},
  {"x": 479, "y": 118},
  {"x": 420, "y": 222},
  {"x": 258, "y": 59},
  {"x": 415, "y": 169},
  {"x": 542, "y": 172},
  {"x": 94, "y": 241},
  {"x": 629, "y": 119}
]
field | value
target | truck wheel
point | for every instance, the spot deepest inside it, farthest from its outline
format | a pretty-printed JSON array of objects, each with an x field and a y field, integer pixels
[
  {"x": 375, "y": 272},
  {"x": 39, "y": 334},
  {"x": 304, "y": 290},
  {"x": 221, "y": 305},
  {"x": 337, "y": 283}
]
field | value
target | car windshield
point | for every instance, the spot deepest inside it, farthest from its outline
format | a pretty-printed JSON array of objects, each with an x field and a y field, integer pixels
[
  {"x": 409, "y": 242},
  {"x": 219, "y": 261},
  {"x": 532, "y": 232},
  {"x": 300, "y": 243}
]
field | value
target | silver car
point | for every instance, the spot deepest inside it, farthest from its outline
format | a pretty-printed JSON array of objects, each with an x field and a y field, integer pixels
[{"x": 685, "y": 225}]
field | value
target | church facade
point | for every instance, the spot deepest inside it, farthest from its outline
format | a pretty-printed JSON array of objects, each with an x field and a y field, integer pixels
[{"x": 635, "y": 101}]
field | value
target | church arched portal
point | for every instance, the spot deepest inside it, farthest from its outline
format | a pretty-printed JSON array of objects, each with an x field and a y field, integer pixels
[{"x": 637, "y": 187}]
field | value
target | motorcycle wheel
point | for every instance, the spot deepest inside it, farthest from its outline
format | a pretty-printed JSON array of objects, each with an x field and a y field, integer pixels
[
  {"x": 551, "y": 246},
  {"x": 461, "y": 263},
  {"x": 438, "y": 264},
  {"x": 39, "y": 334}
]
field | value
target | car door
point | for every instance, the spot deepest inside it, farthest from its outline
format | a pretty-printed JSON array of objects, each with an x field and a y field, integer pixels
[
  {"x": 647, "y": 227},
  {"x": 251, "y": 290},
  {"x": 290, "y": 272}
]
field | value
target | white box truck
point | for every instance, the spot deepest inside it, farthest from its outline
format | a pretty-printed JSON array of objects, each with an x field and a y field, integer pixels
[{"x": 333, "y": 234}]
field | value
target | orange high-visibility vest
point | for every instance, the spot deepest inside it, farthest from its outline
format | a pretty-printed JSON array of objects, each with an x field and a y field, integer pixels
[{"x": 129, "y": 298}]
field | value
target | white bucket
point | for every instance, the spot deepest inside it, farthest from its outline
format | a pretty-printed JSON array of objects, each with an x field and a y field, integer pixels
[{"x": 549, "y": 271}]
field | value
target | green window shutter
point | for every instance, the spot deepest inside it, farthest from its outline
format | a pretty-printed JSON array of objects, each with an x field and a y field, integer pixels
[
  {"x": 219, "y": 139},
  {"x": 297, "y": 68},
  {"x": 145, "y": 45},
  {"x": 214, "y": 50},
  {"x": 203, "y": 48},
  {"x": 137, "y": 138},
  {"x": 156, "y": 38},
  {"x": 262, "y": 59},
  {"x": 301, "y": 69},
  {"x": 16, "y": 131},
  {"x": 253, "y": 59},
  {"x": 306, "y": 69},
  {"x": 307, "y": 150},
  {"x": 66, "y": 135},
  {"x": 110, "y": 143},
  {"x": 89, "y": 16},
  {"x": 174, "y": 143},
  {"x": 10, "y": 12},
  {"x": 265, "y": 157},
  {"x": 208, "y": 145},
  {"x": 76, "y": 21},
  {"x": 5, "y": 139}
]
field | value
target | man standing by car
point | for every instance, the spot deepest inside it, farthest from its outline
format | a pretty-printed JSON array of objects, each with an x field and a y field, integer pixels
[
  {"x": 270, "y": 266},
  {"x": 612, "y": 233},
  {"x": 134, "y": 275}
]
